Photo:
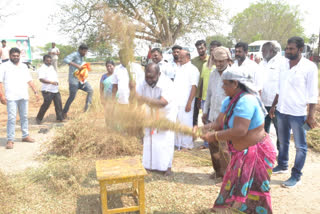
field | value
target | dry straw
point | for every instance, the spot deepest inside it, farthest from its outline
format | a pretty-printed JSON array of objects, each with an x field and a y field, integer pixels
[{"x": 133, "y": 119}]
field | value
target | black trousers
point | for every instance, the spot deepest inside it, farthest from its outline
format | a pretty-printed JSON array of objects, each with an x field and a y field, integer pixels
[
  {"x": 197, "y": 102},
  {"x": 47, "y": 99}
]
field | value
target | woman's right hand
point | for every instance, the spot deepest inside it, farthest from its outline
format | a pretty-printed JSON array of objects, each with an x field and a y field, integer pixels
[{"x": 272, "y": 112}]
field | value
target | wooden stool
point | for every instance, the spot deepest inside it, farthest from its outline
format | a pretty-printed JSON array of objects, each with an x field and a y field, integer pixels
[{"x": 121, "y": 171}]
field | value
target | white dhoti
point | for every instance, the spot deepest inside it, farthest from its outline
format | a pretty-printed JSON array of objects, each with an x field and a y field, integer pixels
[
  {"x": 158, "y": 150},
  {"x": 185, "y": 118}
]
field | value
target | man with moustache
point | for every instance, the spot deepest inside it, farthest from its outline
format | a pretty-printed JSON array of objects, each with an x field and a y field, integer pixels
[
  {"x": 49, "y": 89},
  {"x": 165, "y": 68},
  {"x": 15, "y": 77},
  {"x": 242, "y": 62},
  {"x": 185, "y": 82},
  {"x": 175, "y": 61},
  {"x": 295, "y": 106},
  {"x": 157, "y": 92},
  {"x": 198, "y": 62},
  {"x": 122, "y": 86},
  {"x": 220, "y": 156},
  {"x": 272, "y": 61}
]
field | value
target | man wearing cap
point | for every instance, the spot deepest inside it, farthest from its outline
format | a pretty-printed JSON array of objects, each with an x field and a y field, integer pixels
[{"x": 215, "y": 95}]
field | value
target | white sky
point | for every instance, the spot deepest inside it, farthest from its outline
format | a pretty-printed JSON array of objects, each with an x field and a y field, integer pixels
[{"x": 32, "y": 18}]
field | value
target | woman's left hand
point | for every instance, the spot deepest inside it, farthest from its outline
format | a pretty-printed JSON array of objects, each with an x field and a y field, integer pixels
[{"x": 208, "y": 136}]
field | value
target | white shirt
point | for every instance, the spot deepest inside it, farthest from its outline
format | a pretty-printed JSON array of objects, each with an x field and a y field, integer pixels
[
  {"x": 253, "y": 67},
  {"x": 54, "y": 50},
  {"x": 164, "y": 88},
  {"x": 48, "y": 73},
  {"x": 187, "y": 75},
  {"x": 121, "y": 78},
  {"x": 297, "y": 87},
  {"x": 174, "y": 67},
  {"x": 166, "y": 69},
  {"x": 215, "y": 95},
  {"x": 5, "y": 53},
  {"x": 271, "y": 71},
  {"x": 15, "y": 79}
]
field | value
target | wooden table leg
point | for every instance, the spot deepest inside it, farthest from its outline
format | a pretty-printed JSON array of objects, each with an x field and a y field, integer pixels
[
  {"x": 141, "y": 196},
  {"x": 135, "y": 185},
  {"x": 103, "y": 195}
]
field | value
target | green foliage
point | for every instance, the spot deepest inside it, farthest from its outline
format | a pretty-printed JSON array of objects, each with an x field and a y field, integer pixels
[
  {"x": 267, "y": 20},
  {"x": 64, "y": 51},
  {"x": 157, "y": 21},
  {"x": 226, "y": 41}
]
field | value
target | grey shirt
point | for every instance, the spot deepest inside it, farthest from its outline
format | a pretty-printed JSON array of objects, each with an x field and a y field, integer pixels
[
  {"x": 215, "y": 95},
  {"x": 76, "y": 58}
]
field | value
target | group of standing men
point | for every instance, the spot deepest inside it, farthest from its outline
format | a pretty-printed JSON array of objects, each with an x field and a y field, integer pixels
[
  {"x": 288, "y": 87},
  {"x": 15, "y": 78}
]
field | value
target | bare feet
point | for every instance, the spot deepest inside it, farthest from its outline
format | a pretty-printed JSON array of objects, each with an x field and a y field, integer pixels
[
  {"x": 202, "y": 147},
  {"x": 168, "y": 172},
  {"x": 185, "y": 150}
]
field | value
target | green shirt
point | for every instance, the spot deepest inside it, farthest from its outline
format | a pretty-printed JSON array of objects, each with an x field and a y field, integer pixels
[
  {"x": 205, "y": 76},
  {"x": 199, "y": 63}
]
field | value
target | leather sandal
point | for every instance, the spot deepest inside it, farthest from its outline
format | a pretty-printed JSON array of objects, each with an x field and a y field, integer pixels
[{"x": 9, "y": 145}]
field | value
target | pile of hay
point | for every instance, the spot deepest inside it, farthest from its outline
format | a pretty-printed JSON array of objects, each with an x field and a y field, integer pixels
[{"x": 87, "y": 136}]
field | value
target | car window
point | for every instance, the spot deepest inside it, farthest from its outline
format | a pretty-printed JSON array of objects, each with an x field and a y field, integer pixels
[{"x": 254, "y": 48}]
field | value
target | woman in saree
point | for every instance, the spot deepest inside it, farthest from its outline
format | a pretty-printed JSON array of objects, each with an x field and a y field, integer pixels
[
  {"x": 105, "y": 82},
  {"x": 246, "y": 184}
]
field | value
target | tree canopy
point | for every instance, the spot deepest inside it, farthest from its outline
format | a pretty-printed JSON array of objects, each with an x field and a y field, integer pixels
[
  {"x": 226, "y": 41},
  {"x": 267, "y": 20},
  {"x": 157, "y": 21}
]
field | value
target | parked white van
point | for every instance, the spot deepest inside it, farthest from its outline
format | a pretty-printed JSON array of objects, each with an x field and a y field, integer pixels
[{"x": 255, "y": 48}]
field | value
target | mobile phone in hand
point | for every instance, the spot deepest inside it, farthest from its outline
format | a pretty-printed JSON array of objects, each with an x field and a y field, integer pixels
[{"x": 306, "y": 127}]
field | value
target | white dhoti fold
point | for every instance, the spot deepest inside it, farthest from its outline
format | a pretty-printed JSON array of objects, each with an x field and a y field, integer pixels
[
  {"x": 158, "y": 150},
  {"x": 185, "y": 118}
]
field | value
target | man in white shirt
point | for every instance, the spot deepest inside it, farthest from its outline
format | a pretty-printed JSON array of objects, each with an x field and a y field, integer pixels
[
  {"x": 185, "y": 83},
  {"x": 242, "y": 62},
  {"x": 165, "y": 68},
  {"x": 175, "y": 60},
  {"x": 297, "y": 92},
  {"x": 220, "y": 156},
  {"x": 15, "y": 77},
  {"x": 121, "y": 82},
  {"x": 157, "y": 93},
  {"x": 54, "y": 52},
  {"x": 272, "y": 61},
  {"x": 50, "y": 89},
  {"x": 4, "y": 51}
]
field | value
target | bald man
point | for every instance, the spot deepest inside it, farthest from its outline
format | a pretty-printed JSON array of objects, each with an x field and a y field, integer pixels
[
  {"x": 186, "y": 83},
  {"x": 157, "y": 92}
]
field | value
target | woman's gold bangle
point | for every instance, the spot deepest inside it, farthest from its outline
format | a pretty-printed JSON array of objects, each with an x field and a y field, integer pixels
[{"x": 216, "y": 136}]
